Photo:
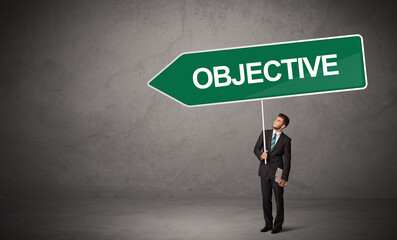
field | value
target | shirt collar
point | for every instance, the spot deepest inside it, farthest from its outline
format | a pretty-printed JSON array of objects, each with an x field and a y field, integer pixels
[{"x": 278, "y": 133}]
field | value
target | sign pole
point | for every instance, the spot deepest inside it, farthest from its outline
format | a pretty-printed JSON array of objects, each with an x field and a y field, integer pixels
[{"x": 263, "y": 129}]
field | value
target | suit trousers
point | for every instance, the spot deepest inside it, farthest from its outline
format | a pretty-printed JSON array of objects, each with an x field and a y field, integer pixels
[{"x": 267, "y": 185}]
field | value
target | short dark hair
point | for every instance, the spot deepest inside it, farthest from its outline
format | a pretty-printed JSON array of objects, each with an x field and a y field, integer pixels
[{"x": 285, "y": 119}]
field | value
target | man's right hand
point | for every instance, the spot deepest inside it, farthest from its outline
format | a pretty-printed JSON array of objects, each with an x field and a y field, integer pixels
[{"x": 264, "y": 155}]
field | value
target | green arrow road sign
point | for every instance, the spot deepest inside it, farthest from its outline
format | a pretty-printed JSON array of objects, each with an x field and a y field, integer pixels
[{"x": 267, "y": 71}]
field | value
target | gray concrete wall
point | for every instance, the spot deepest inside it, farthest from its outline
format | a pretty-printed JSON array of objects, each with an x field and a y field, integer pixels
[{"x": 75, "y": 110}]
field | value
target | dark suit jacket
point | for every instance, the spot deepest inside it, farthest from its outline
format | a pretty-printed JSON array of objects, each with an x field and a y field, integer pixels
[{"x": 279, "y": 157}]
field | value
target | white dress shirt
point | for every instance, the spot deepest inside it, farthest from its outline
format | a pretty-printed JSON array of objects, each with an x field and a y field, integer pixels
[{"x": 277, "y": 136}]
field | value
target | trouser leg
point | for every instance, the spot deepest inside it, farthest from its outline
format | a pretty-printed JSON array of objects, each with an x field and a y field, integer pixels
[
  {"x": 279, "y": 196},
  {"x": 267, "y": 200}
]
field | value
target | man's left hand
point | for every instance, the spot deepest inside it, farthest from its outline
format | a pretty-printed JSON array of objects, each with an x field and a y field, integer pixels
[{"x": 282, "y": 183}]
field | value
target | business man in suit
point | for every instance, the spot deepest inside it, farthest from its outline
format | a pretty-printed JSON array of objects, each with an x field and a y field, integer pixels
[{"x": 278, "y": 154}]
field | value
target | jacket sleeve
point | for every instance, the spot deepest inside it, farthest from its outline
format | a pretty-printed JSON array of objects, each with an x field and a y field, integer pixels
[
  {"x": 258, "y": 147},
  {"x": 287, "y": 161}
]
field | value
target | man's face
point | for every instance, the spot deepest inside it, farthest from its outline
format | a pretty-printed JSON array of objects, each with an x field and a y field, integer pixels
[{"x": 278, "y": 123}]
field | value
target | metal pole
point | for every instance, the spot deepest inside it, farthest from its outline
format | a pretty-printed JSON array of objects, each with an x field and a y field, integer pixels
[{"x": 263, "y": 129}]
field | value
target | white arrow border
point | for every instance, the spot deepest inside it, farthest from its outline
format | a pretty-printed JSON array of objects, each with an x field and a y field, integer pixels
[{"x": 260, "y": 45}]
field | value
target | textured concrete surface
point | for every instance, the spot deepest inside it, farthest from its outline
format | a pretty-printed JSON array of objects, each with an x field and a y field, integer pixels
[
  {"x": 88, "y": 151},
  {"x": 196, "y": 219},
  {"x": 76, "y": 110}
]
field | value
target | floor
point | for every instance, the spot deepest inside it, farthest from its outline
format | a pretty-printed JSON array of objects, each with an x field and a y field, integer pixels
[{"x": 197, "y": 219}]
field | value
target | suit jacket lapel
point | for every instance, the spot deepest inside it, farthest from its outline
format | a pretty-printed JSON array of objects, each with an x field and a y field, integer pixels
[{"x": 268, "y": 139}]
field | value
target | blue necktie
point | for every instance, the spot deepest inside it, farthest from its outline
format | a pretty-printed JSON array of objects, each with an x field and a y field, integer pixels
[{"x": 273, "y": 142}]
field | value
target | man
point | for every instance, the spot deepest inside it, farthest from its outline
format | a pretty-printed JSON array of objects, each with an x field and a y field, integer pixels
[{"x": 278, "y": 155}]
